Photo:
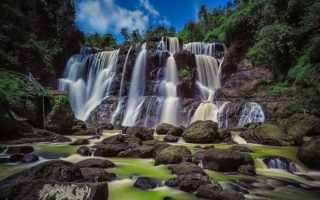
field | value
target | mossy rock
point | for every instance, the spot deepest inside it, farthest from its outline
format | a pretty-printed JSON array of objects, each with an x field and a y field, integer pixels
[
  {"x": 309, "y": 153},
  {"x": 202, "y": 132},
  {"x": 173, "y": 155}
]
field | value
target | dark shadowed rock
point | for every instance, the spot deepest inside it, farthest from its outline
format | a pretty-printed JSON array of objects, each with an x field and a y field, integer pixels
[
  {"x": 29, "y": 158},
  {"x": 146, "y": 183},
  {"x": 20, "y": 149},
  {"x": 105, "y": 126},
  {"x": 16, "y": 157},
  {"x": 176, "y": 131},
  {"x": 222, "y": 160},
  {"x": 171, "y": 138},
  {"x": 228, "y": 194},
  {"x": 247, "y": 170},
  {"x": 83, "y": 150},
  {"x": 309, "y": 153},
  {"x": 209, "y": 191},
  {"x": 80, "y": 142},
  {"x": 240, "y": 148},
  {"x": 164, "y": 128},
  {"x": 202, "y": 132},
  {"x": 188, "y": 182},
  {"x": 186, "y": 168},
  {"x": 95, "y": 163},
  {"x": 173, "y": 155},
  {"x": 139, "y": 132},
  {"x": 97, "y": 175}
]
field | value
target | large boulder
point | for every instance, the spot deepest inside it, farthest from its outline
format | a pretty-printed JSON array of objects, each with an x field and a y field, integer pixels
[
  {"x": 188, "y": 182},
  {"x": 309, "y": 153},
  {"x": 171, "y": 138},
  {"x": 146, "y": 183},
  {"x": 202, "y": 132},
  {"x": 61, "y": 117},
  {"x": 186, "y": 168},
  {"x": 209, "y": 191},
  {"x": 173, "y": 155},
  {"x": 140, "y": 132},
  {"x": 223, "y": 160},
  {"x": 300, "y": 125},
  {"x": 95, "y": 163},
  {"x": 80, "y": 142},
  {"x": 19, "y": 149},
  {"x": 268, "y": 134},
  {"x": 164, "y": 128}
]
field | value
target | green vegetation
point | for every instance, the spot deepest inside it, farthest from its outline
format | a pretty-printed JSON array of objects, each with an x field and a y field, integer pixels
[
  {"x": 100, "y": 41},
  {"x": 184, "y": 72},
  {"x": 279, "y": 88}
]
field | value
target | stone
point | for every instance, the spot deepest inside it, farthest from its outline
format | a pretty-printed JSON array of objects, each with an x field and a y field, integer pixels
[
  {"x": 80, "y": 142},
  {"x": 30, "y": 158},
  {"x": 19, "y": 149},
  {"x": 202, "y": 132},
  {"x": 188, "y": 182},
  {"x": 139, "y": 132},
  {"x": 106, "y": 126},
  {"x": 95, "y": 163},
  {"x": 209, "y": 191},
  {"x": 176, "y": 131},
  {"x": 97, "y": 175},
  {"x": 171, "y": 138},
  {"x": 186, "y": 168},
  {"x": 84, "y": 151},
  {"x": 146, "y": 183},
  {"x": 240, "y": 148},
  {"x": 173, "y": 155},
  {"x": 164, "y": 128},
  {"x": 309, "y": 153}
]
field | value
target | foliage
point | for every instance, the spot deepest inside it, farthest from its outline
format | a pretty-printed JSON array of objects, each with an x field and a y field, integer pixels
[
  {"x": 281, "y": 87},
  {"x": 184, "y": 72},
  {"x": 100, "y": 41}
]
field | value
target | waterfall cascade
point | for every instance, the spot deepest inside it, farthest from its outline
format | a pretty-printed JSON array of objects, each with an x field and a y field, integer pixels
[
  {"x": 252, "y": 113},
  {"x": 281, "y": 163},
  {"x": 88, "y": 79},
  {"x": 137, "y": 86}
]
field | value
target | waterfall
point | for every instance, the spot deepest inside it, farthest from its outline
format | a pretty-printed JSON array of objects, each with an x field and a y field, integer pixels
[
  {"x": 88, "y": 79},
  {"x": 170, "y": 104},
  {"x": 252, "y": 113},
  {"x": 274, "y": 162},
  {"x": 120, "y": 99},
  {"x": 137, "y": 86},
  {"x": 208, "y": 81},
  {"x": 199, "y": 48},
  {"x": 171, "y": 44}
]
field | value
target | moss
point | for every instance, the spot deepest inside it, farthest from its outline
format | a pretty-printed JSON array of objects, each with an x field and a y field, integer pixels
[
  {"x": 184, "y": 72},
  {"x": 301, "y": 70},
  {"x": 253, "y": 51},
  {"x": 281, "y": 87}
]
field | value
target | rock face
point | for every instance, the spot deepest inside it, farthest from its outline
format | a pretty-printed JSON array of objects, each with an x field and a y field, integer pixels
[
  {"x": 146, "y": 183},
  {"x": 268, "y": 134},
  {"x": 201, "y": 132},
  {"x": 223, "y": 160},
  {"x": 300, "y": 125},
  {"x": 54, "y": 180},
  {"x": 173, "y": 155},
  {"x": 309, "y": 153}
]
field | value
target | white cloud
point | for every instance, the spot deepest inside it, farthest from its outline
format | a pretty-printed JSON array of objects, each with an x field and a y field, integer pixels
[
  {"x": 149, "y": 7},
  {"x": 106, "y": 15}
]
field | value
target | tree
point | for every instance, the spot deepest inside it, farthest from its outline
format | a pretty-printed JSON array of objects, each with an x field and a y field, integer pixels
[
  {"x": 203, "y": 16},
  {"x": 135, "y": 36},
  {"x": 125, "y": 34}
]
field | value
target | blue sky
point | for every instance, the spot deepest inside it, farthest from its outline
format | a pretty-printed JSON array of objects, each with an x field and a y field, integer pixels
[{"x": 109, "y": 16}]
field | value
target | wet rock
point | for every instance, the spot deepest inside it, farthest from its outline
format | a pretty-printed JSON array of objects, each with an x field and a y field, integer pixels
[
  {"x": 97, "y": 175},
  {"x": 29, "y": 158},
  {"x": 176, "y": 131},
  {"x": 95, "y": 163},
  {"x": 187, "y": 88},
  {"x": 83, "y": 150},
  {"x": 222, "y": 160},
  {"x": 247, "y": 170},
  {"x": 16, "y": 157},
  {"x": 106, "y": 126},
  {"x": 300, "y": 125},
  {"x": 79, "y": 127},
  {"x": 20, "y": 149},
  {"x": 224, "y": 134},
  {"x": 171, "y": 138},
  {"x": 268, "y": 134},
  {"x": 209, "y": 191},
  {"x": 60, "y": 138},
  {"x": 164, "y": 128},
  {"x": 173, "y": 155},
  {"x": 240, "y": 148},
  {"x": 188, "y": 182},
  {"x": 309, "y": 153},
  {"x": 109, "y": 150},
  {"x": 186, "y": 168},
  {"x": 146, "y": 183},
  {"x": 139, "y": 132},
  {"x": 202, "y": 132},
  {"x": 80, "y": 142},
  {"x": 228, "y": 194},
  {"x": 184, "y": 59}
]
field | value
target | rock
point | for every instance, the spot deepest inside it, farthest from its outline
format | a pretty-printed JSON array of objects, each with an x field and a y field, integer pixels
[
  {"x": 109, "y": 150},
  {"x": 97, "y": 175},
  {"x": 95, "y": 163},
  {"x": 173, "y": 155},
  {"x": 222, "y": 160},
  {"x": 176, "y": 131},
  {"x": 44, "y": 189},
  {"x": 186, "y": 168},
  {"x": 300, "y": 125},
  {"x": 79, "y": 127},
  {"x": 146, "y": 183},
  {"x": 309, "y": 153},
  {"x": 268, "y": 134},
  {"x": 188, "y": 182},
  {"x": 224, "y": 134},
  {"x": 106, "y": 126},
  {"x": 209, "y": 191},
  {"x": 61, "y": 117},
  {"x": 202, "y": 132},
  {"x": 247, "y": 170},
  {"x": 228, "y": 194},
  {"x": 16, "y": 157},
  {"x": 29, "y": 158},
  {"x": 171, "y": 138},
  {"x": 20, "y": 149},
  {"x": 60, "y": 138},
  {"x": 240, "y": 148},
  {"x": 139, "y": 132},
  {"x": 84, "y": 151},
  {"x": 80, "y": 142},
  {"x": 187, "y": 88},
  {"x": 184, "y": 59},
  {"x": 143, "y": 151},
  {"x": 164, "y": 128}
]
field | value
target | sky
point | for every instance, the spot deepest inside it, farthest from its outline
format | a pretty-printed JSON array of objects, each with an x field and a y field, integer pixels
[{"x": 109, "y": 16}]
